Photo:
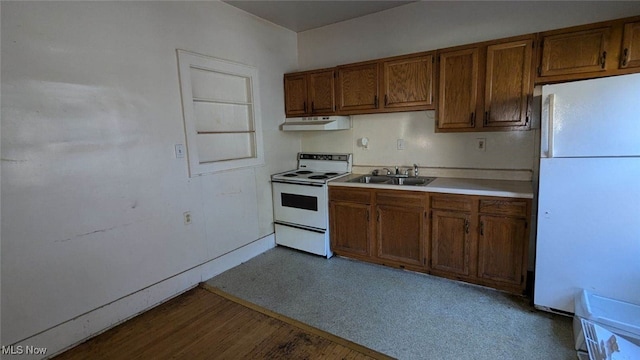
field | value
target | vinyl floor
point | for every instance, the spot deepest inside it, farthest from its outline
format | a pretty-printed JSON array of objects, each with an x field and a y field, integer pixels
[{"x": 400, "y": 313}]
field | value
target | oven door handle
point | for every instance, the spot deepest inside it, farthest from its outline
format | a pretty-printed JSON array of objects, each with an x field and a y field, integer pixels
[
  {"x": 301, "y": 227},
  {"x": 295, "y": 183}
]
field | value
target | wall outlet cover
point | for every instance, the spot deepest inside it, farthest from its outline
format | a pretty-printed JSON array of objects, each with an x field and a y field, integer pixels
[{"x": 481, "y": 144}]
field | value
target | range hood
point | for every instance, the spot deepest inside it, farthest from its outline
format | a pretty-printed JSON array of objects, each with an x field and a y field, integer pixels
[{"x": 316, "y": 123}]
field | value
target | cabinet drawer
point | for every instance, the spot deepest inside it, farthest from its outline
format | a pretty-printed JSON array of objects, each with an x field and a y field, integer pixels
[
  {"x": 351, "y": 195},
  {"x": 504, "y": 207},
  {"x": 451, "y": 203},
  {"x": 400, "y": 197}
]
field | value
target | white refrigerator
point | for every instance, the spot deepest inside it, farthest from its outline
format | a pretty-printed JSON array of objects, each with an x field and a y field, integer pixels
[{"x": 588, "y": 234}]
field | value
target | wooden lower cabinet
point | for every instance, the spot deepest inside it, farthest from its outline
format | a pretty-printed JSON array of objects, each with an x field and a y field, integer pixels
[
  {"x": 450, "y": 242},
  {"x": 350, "y": 228},
  {"x": 350, "y": 221},
  {"x": 503, "y": 242},
  {"x": 479, "y": 239},
  {"x": 501, "y": 249},
  {"x": 476, "y": 239},
  {"x": 400, "y": 227}
]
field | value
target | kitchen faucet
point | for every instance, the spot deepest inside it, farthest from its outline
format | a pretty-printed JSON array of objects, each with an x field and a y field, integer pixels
[{"x": 397, "y": 171}]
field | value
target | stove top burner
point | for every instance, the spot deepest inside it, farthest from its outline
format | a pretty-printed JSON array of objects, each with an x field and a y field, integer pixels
[
  {"x": 331, "y": 173},
  {"x": 304, "y": 172},
  {"x": 290, "y": 175},
  {"x": 318, "y": 177}
]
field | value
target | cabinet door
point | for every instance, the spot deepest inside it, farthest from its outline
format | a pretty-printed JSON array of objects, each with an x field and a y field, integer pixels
[
  {"x": 508, "y": 85},
  {"x": 630, "y": 57},
  {"x": 400, "y": 233},
  {"x": 457, "y": 89},
  {"x": 575, "y": 52},
  {"x": 295, "y": 95},
  {"x": 358, "y": 88},
  {"x": 408, "y": 82},
  {"x": 349, "y": 228},
  {"x": 450, "y": 242},
  {"x": 501, "y": 249},
  {"x": 322, "y": 92}
]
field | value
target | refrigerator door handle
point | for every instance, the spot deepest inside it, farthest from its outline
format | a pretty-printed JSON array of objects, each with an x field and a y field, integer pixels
[{"x": 552, "y": 105}]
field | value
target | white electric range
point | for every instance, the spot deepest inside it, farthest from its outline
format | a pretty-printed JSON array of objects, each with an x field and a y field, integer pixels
[{"x": 300, "y": 201}]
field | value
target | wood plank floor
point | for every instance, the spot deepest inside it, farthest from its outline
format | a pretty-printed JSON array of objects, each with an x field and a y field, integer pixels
[{"x": 206, "y": 323}]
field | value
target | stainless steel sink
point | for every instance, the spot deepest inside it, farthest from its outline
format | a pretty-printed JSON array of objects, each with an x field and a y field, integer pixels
[
  {"x": 393, "y": 180},
  {"x": 371, "y": 179}
]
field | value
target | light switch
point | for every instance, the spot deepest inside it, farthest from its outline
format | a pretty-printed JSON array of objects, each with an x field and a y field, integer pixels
[
  {"x": 179, "y": 151},
  {"x": 400, "y": 144}
]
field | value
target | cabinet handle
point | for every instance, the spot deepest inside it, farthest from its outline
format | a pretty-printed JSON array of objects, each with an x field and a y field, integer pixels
[
  {"x": 385, "y": 99},
  {"x": 481, "y": 228},
  {"x": 313, "y": 108},
  {"x": 603, "y": 59},
  {"x": 466, "y": 226},
  {"x": 378, "y": 216},
  {"x": 375, "y": 101},
  {"x": 625, "y": 54},
  {"x": 367, "y": 215},
  {"x": 486, "y": 117},
  {"x": 473, "y": 119},
  {"x": 305, "y": 106}
]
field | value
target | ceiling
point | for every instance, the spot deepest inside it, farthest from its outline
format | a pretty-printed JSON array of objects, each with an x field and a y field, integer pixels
[{"x": 306, "y": 15}]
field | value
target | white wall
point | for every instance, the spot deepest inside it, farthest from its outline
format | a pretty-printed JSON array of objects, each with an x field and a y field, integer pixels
[
  {"x": 422, "y": 145},
  {"x": 429, "y": 25},
  {"x": 92, "y": 194}
]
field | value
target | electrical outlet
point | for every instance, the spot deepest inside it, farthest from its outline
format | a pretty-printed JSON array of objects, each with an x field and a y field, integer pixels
[
  {"x": 481, "y": 144},
  {"x": 179, "y": 151},
  {"x": 187, "y": 217},
  {"x": 400, "y": 144}
]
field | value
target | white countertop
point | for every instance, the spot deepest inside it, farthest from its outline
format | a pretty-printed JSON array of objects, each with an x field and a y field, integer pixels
[{"x": 484, "y": 187}]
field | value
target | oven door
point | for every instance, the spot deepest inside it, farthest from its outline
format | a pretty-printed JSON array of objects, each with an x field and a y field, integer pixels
[{"x": 300, "y": 204}]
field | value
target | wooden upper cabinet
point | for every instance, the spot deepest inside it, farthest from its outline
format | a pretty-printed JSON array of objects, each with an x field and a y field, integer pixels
[
  {"x": 457, "y": 89},
  {"x": 408, "y": 83},
  {"x": 295, "y": 95},
  {"x": 358, "y": 87},
  {"x": 487, "y": 87},
  {"x": 630, "y": 55},
  {"x": 322, "y": 92},
  {"x": 508, "y": 85},
  {"x": 310, "y": 93},
  {"x": 575, "y": 52}
]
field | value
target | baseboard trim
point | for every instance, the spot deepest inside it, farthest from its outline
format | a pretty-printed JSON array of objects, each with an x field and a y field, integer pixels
[{"x": 75, "y": 331}]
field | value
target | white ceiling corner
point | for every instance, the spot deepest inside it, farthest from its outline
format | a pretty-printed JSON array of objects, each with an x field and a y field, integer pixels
[{"x": 306, "y": 15}]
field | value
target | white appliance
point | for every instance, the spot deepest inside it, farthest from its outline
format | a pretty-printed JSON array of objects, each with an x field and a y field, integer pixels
[
  {"x": 588, "y": 234},
  {"x": 301, "y": 204},
  {"x": 316, "y": 123}
]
